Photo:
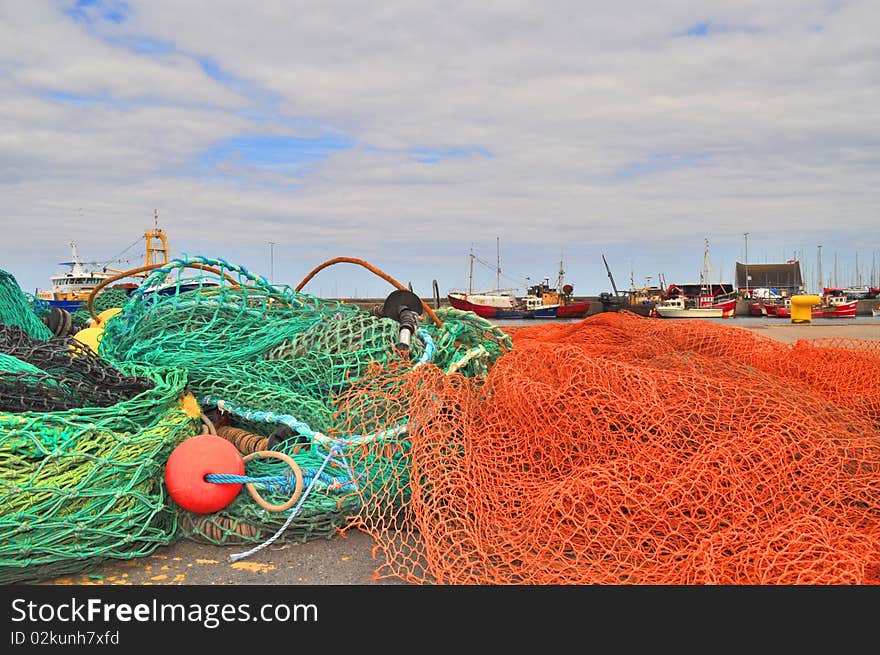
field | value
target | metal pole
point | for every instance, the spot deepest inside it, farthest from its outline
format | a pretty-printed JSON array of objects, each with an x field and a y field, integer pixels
[
  {"x": 272, "y": 262},
  {"x": 497, "y": 262},
  {"x": 746, "y": 235}
]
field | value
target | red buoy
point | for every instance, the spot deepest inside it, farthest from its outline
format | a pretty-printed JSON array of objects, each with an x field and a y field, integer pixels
[{"x": 188, "y": 465}]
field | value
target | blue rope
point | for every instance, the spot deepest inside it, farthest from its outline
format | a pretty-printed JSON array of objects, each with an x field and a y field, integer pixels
[
  {"x": 293, "y": 512},
  {"x": 228, "y": 478},
  {"x": 282, "y": 483},
  {"x": 428, "y": 354},
  {"x": 295, "y": 424}
]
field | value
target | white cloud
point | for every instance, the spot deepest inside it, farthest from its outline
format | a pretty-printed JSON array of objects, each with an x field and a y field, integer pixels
[{"x": 767, "y": 124}]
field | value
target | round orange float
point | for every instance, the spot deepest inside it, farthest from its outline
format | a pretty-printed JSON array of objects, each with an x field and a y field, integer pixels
[{"x": 188, "y": 465}]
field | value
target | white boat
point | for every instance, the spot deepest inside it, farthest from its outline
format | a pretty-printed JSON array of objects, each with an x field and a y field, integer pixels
[
  {"x": 71, "y": 288},
  {"x": 875, "y": 311},
  {"x": 706, "y": 305},
  {"x": 677, "y": 308}
]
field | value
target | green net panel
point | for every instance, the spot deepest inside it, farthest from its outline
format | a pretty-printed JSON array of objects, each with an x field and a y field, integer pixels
[
  {"x": 83, "y": 484},
  {"x": 17, "y": 308},
  {"x": 261, "y": 357}
]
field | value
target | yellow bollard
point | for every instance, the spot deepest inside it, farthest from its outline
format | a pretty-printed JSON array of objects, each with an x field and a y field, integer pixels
[{"x": 802, "y": 308}]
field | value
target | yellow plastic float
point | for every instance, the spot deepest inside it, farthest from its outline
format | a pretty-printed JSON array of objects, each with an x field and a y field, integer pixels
[
  {"x": 105, "y": 315},
  {"x": 802, "y": 308},
  {"x": 90, "y": 337}
]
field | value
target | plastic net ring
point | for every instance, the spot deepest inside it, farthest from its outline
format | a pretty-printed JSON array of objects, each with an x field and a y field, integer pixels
[{"x": 297, "y": 472}]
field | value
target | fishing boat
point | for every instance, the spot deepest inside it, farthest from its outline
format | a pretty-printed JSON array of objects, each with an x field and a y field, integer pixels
[
  {"x": 678, "y": 306},
  {"x": 863, "y": 292},
  {"x": 763, "y": 301},
  {"x": 834, "y": 304},
  {"x": 485, "y": 304},
  {"x": 70, "y": 290},
  {"x": 706, "y": 304},
  {"x": 875, "y": 311},
  {"x": 540, "y": 301}
]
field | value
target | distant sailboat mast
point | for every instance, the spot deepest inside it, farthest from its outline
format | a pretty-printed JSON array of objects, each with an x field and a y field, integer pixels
[
  {"x": 497, "y": 262},
  {"x": 858, "y": 271},
  {"x": 708, "y": 277},
  {"x": 471, "y": 270}
]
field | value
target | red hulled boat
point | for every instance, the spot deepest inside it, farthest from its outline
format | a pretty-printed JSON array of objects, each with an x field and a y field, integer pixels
[{"x": 835, "y": 304}]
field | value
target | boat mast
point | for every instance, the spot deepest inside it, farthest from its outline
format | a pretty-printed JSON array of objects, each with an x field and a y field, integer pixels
[
  {"x": 561, "y": 278},
  {"x": 471, "y": 272},
  {"x": 707, "y": 278},
  {"x": 73, "y": 254},
  {"x": 858, "y": 271},
  {"x": 155, "y": 254},
  {"x": 819, "y": 269},
  {"x": 873, "y": 271},
  {"x": 497, "y": 262}
]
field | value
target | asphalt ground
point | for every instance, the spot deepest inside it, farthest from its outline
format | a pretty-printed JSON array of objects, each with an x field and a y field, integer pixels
[
  {"x": 343, "y": 559},
  {"x": 346, "y": 558}
]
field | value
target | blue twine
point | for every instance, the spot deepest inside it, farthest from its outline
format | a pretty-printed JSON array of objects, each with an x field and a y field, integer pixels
[{"x": 293, "y": 512}]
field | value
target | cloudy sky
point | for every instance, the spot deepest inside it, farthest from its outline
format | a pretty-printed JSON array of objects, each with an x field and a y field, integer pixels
[{"x": 281, "y": 134}]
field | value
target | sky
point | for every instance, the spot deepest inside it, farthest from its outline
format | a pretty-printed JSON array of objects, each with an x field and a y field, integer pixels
[{"x": 537, "y": 136}]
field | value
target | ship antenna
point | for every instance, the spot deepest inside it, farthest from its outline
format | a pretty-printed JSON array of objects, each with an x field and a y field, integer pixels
[{"x": 561, "y": 273}]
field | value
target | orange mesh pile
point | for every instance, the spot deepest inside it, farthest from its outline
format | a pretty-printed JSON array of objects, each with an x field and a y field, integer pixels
[{"x": 629, "y": 450}]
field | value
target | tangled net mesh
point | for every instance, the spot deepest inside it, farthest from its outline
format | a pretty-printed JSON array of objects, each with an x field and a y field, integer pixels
[
  {"x": 261, "y": 358},
  {"x": 82, "y": 450},
  {"x": 615, "y": 450},
  {"x": 17, "y": 308},
  {"x": 103, "y": 300},
  {"x": 626, "y": 450}
]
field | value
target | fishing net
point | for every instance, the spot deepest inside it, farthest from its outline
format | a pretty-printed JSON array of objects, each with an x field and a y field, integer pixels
[
  {"x": 615, "y": 450},
  {"x": 82, "y": 450},
  {"x": 627, "y": 450},
  {"x": 276, "y": 365},
  {"x": 17, "y": 308},
  {"x": 57, "y": 375},
  {"x": 102, "y": 301}
]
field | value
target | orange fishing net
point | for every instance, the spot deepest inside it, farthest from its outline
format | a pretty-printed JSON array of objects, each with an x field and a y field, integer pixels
[{"x": 628, "y": 450}]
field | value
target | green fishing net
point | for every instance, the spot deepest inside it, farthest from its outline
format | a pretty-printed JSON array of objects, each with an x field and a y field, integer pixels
[
  {"x": 204, "y": 345},
  {"x": 18, "y": 308},
  {"x": 261, "y": 357},
  {"x": 106, "y": 299},
  {"x": 83, "y": 446}
]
